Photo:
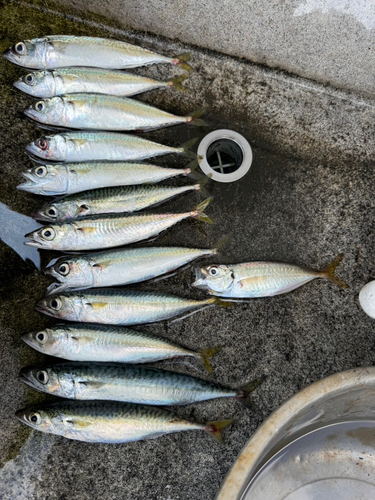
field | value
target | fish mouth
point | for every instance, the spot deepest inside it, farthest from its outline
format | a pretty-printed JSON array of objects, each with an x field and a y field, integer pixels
[
  {"x": 20, "y": 85},
  {"x": 21, "y": 415},
  {"x": 31, "y": 113},
  {"x": 27, "y": 338},
  {"x": 8, "y": 54},
  {"x": 200, "y": 279},
  {"x": 32, "y": 242},
  {"x": 24, "y": 378}
]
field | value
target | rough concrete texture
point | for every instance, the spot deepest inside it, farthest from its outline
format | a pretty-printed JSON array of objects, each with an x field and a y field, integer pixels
[
  {"x": 307, "y": 197},
  {"x": 331, "y": 41}
]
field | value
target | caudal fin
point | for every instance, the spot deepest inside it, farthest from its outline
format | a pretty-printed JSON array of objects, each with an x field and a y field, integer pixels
[
  {"x": 243, "y": 395},
  {"x": 198, "y": 213},
  {"x": 201, "y": 186},
  {"x": 195, "y": 118},
  {"x": 221, "y": 244},
  {"x": 329, "y": 272},
  {"x": 185, "y": 148},
  {"x": 204, "y": 356},
  {"x": 213, "y": 429},
  {"x": 180, "y": 61},
  {"x": 176, "y": 83}
]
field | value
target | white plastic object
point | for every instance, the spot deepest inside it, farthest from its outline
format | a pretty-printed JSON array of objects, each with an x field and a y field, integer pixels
[
  {"x": 239, "y": 146},
  {"x": 367, "y": 299}
]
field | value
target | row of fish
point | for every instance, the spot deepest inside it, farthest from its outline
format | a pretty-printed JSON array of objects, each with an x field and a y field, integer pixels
[{"x": 88, "y": 98}]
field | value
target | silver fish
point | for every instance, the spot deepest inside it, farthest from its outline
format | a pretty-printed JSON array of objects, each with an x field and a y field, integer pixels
[
  {"x": 120, "y": 267},
  {"x": 127, "y": 383},
  {"x": 119, "y": 307},
  {"x": 63, "y": 51},
  {"x": 109, "y": 421},
  {"x": 91, "y": 233},
  {"x": 70, "y": 178},
  {"x": 102, "y": 343},
  {"x": 90, "y": 80},
  {"x": 109, "y": 200},
  {"x": 104, "y": 112},
  {"x": 260, "y": 279},
  {"x": 96, "y": 146}
]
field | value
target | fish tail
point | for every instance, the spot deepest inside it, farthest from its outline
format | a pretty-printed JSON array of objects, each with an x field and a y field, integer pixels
[
  {"x": 201, "y": 186},
  {"x": 198, "y": 213},
  {"x": 195, "y": 118},
  {"x": 329, "y": 272},
  {"x": 185, "y": 148},
  {"x": 204, "y": 356},
  {"x": 180, "y": 61},
  {"x": 213, "y": 429},
  {"x": 243, "y": 395},
  {"x": 190, "y": 168},
  {"x": 220, "y": 244},
  {"x": 176, "y": 83}
]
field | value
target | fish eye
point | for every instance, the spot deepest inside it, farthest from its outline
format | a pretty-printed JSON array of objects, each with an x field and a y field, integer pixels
[
  {"x": 42, "y": 376},
  {"x": 42, "y": 337},
  {"x": 55, "y": 304},
  {"x": 29, "y": 79},
  {"x": 43, "y": 144},
  {"x": 64, "y": 269},
  {"x": 213, "y": 271},
  {"x": 40, "y": 106},
  {"x": 41, "y": 171},
  {"x": 20, "y": 48},
  {"x": 48, "y": 233},
  {"x": 52, "y": 211},
  {"x": 34, "y": 418}
]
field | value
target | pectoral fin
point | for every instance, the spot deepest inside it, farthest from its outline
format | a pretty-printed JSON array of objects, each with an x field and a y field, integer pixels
[
  {"x": 92, "y": 385},
  {"x": 79, "y": 424}
]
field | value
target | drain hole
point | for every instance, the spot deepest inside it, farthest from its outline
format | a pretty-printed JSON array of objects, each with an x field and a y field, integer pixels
[{"x": 224, "y": 156}]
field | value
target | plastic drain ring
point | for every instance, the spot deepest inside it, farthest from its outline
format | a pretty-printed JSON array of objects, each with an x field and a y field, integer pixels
[{"x": 227, "y": 156}]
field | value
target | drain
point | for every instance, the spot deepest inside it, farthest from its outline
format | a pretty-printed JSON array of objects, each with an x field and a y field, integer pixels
[{"x": 226, "y": 155}]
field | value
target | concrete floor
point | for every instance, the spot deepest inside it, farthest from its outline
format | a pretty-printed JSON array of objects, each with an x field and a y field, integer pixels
[{"x": 307, "y": 197}]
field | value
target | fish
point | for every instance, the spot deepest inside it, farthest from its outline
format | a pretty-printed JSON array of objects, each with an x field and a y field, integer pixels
[
  {"x": 72, "y": 147},
  {"x": 110, "y": 421},
  {"x": 110, "y": 200},
  {"x": 70, "y": 178},
  {"x": 106, "y": 231},
  {"x": 260, "y": 279},
  {"x": 64, "y": 51},
  {"x": 119, "y": 306},
  {"x": 102, "y": 343},
  {"x": 127, "y": 383},
  {"x": 51, "y": 83},
  {"x": 121, "y": 266},
  {"x": 104, "y": 112}
]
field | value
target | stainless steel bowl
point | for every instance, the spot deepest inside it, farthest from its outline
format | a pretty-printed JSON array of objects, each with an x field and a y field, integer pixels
[{"x": 318, "y": 445}]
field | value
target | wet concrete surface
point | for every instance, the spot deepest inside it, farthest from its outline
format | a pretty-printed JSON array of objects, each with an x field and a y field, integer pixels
[{"x": 307, "y": 197}]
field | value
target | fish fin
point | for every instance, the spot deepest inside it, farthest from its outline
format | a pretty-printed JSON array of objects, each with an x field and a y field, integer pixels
[
  {"x": 204, "y": 356},
  {"x": 87, "y": 230},
  {"x": 213, "y": 429},
  {"x": 244, "y": 392},
  {"x": 185, "y": 148},
  {"x": 98, "y": 305},
  {"x": 180, "y": 61},
  {"x": 224, "y": 303},
  {"x": 176, "y": 83},
  {"x": 92, "y": 385},
  {"x": 220, "y": 244},
  {"x": 329, "y": 272},
  {"x": 201, "y": 186},
  {"x": 198, "y": 213},
  {"x": 101, "y": 266},
  {"x": 80, "y": 209},
  {"x": 79, "y": 424},
  {"x": 195, "y": 118}
]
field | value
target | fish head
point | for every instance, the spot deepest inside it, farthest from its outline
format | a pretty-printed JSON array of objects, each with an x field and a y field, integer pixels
[
  {"x": 49, "y": 237},
  {"x": 216, "y": 278},
  {"x": 47, "y": 341},
  {"x": 28, "y": 53},
  {"x": 52, "y": 147},
  {"x": 75, "y": 272},
  {"x": 44, "y": 379},
  {"x": 48, "y": 213},
  {"x": 48, "y": 111},
  {"x": 37, "y": 84},
  {"x": 45, "y": 179},
  {"x": 60, "y": 306},
  {"x": 63, "y": 210},
  {"x": 42, "y": 419}
]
